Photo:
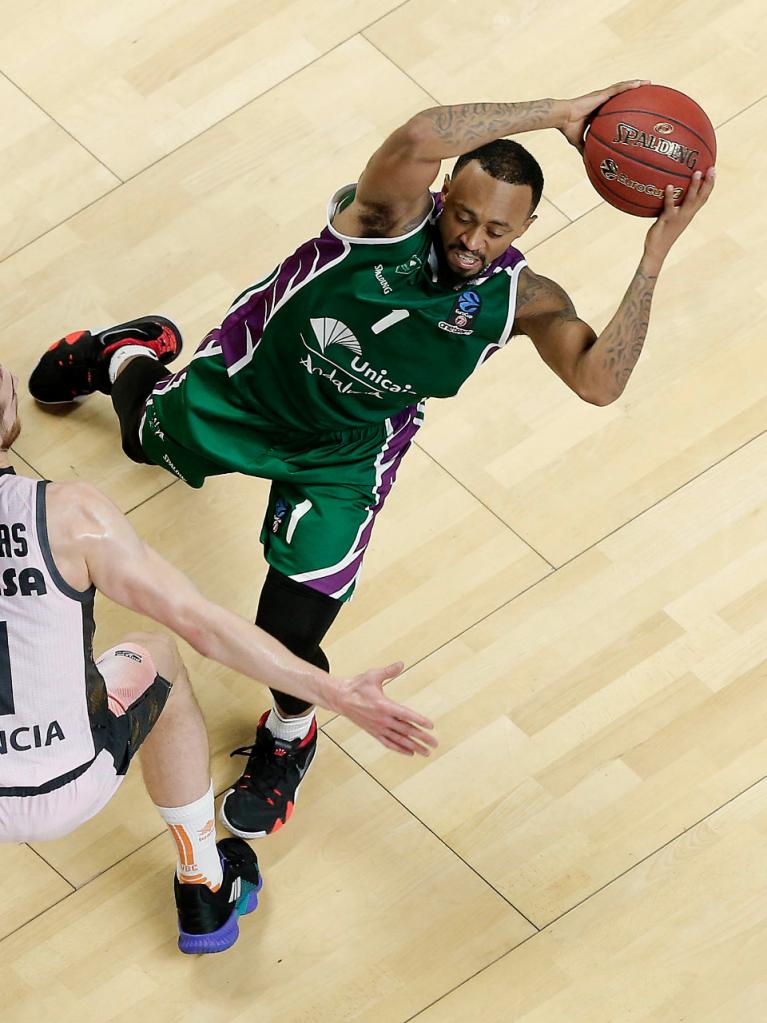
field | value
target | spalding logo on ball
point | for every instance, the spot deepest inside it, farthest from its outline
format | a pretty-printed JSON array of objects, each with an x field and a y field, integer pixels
[{"x": 642, "y": 140}]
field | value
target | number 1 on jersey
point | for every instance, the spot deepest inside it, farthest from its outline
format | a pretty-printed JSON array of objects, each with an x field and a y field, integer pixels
[{"x": 389, "y": 320}]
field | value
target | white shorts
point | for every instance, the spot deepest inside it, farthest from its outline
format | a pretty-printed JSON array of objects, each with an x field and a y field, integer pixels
[{"x": 136, "y": 695}]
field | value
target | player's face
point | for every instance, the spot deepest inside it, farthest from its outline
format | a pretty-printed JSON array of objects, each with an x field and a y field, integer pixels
[{"x": 480, "y": 218}]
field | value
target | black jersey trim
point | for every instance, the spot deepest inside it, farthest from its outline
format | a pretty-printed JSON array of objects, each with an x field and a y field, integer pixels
[
  {"x": 42, "y": 535},
  {"x": 105, "y": 734},
  {"x": 7, "y": 470},
  {"x": 49, "y": 786}
]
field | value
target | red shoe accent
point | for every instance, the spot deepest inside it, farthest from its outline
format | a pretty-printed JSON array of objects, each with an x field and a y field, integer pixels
[
  {"x": 68, "y": 340},
  {"x": 277, "y": 825},
  {"x": 166, "y": 342},
  {"x": 288, "y": 811}
]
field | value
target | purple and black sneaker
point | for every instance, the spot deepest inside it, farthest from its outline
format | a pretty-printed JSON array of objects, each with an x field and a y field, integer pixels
[{"x": 207, "y": 920}]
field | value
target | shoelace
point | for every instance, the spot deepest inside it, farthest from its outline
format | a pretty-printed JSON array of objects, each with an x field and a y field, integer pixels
[{"x": 262, "y": 773}]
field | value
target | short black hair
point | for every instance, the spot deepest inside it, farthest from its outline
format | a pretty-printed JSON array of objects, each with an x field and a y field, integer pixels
[{"x": 507, "y": 161}]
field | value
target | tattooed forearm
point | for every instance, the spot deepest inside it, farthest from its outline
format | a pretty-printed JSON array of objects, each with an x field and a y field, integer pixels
[
  {"x": 462, "y": 127},
  {"x": 620, "y": 344}
]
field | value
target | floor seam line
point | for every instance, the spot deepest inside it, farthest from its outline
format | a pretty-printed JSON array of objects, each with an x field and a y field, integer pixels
[
  {"x": 479, "y": 501},
  {"x": 423, "y": 824}
]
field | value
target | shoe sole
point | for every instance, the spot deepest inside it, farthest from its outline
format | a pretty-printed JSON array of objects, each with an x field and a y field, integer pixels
[
  {"x": 228, "y": 933},
  {"x": 257, "y": 834},
  {"x": 152, "y": 319},
  {"x": 63, "y": 404}
]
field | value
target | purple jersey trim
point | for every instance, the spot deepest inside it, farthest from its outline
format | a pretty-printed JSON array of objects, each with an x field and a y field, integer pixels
[
  {"x": 243, "y": 327},
  {"x": 336, "y": 581}
]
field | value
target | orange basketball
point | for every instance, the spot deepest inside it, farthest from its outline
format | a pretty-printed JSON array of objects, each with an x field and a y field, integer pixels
[{"x": 642, "y": 140}]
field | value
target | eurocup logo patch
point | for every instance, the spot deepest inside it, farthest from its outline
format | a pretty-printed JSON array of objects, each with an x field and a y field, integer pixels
[
  {"x": 465, "y": 308},
  {"x": 609, "y": 169},
  {"x": 469, "y": 303}
]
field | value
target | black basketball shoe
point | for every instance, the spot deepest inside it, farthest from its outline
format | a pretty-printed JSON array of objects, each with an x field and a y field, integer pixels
[
  {"x": 78, "y": 364},
  {"x": 263, "y": 799},
  {"x": 207, "y": 920}
]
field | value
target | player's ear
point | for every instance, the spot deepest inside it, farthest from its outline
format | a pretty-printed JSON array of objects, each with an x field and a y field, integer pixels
[
  {"x": 530, "y": 220},
  {"x": 445, "y": 186}
]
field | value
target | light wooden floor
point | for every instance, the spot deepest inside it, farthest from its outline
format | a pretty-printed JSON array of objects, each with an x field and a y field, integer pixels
[{"x": 579, "y": 593}]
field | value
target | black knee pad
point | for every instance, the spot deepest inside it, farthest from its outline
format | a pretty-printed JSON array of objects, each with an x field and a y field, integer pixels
[{"x": 299, "y": 617}]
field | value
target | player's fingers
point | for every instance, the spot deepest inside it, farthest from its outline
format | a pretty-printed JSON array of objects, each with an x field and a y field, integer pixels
[
  {"x": 631, "y": 83},
  {"x": 411, "y": 746},
  {"x": 381, "y": 675},
  {"x": 707, "y": 184},
  {"x": 402, "y": 717},
  {"x": 392, "y": 670},
  {"x": 405, "y": 714},
  {"x": 424, "y": 748},
  {"x": 394, "y": 742},
  {"x": 694, "y": 187},
  {"x": 412, "y": 738},
  {"x": 418, "y": 733}
]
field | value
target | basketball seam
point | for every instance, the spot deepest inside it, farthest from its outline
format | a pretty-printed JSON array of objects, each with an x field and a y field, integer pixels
[
  {"x": 630, "y": 156},
  {"x": 662, "y": 117}
]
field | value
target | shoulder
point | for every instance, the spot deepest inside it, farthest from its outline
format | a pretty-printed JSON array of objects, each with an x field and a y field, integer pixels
[
  {"x": 77, "y": 508},
  {"x": 76, "y": 514}
]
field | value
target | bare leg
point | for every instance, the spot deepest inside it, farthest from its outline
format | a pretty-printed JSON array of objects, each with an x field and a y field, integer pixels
[{"x": 174, "y": 756}]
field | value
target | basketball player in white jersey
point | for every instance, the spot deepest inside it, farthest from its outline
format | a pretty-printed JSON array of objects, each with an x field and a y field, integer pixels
[{"x": 69, "y": 725}]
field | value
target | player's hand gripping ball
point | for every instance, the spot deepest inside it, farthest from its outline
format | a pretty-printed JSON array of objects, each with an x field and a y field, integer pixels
[{"x": 642, "y": 140}]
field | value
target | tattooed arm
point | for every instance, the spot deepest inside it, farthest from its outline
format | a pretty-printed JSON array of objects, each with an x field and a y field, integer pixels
[
  {"x": 597, "y": 368},
  {"x": 393, "y": 192}
]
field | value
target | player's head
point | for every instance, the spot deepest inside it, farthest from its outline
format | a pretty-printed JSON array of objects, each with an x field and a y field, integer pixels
[
  {"x": 10, "y": 427},
  {"x": 488, "y": 203}
]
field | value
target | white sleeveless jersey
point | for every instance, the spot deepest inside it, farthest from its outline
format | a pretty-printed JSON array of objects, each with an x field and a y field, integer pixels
[{"x": 53, "y": 704}]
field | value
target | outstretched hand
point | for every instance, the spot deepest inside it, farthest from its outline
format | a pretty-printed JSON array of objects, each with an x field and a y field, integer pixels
[
  {"x": 363, "y": 701},
  {"x": 581, "y": 108}
]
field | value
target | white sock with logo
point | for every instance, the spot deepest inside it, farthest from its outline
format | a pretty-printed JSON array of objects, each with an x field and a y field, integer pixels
[
  {"x": 289, "y": 728},
  {"x": 122, "y": 355},
  {"x": 193, "y": 828}
]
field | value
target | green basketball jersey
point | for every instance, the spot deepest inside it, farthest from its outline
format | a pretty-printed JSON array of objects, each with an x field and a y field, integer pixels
[{"x": 344, "y": 333}]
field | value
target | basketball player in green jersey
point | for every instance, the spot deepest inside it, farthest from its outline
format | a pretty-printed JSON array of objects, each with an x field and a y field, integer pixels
[{"x": 317, "y": 376}]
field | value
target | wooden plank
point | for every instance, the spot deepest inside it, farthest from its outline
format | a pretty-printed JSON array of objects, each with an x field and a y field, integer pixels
[
  {"x": 45, "y": 175},
  {"x": 680, "y": 937},
  {"x": 606, "y": 710}
]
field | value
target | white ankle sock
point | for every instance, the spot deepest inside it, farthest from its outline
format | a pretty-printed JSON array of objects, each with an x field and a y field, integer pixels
[
  {"x": 123, "y": 354},
  {"x": 289, "y": 728},
  {"x": 193, "y": 828}
]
